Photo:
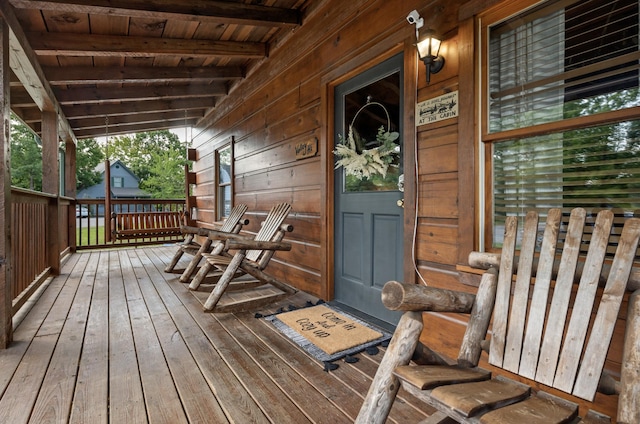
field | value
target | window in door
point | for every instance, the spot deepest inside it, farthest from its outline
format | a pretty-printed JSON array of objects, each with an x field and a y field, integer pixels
[
  {"x": 224, "y": 181},
  {"x": 561, "y": 123}
]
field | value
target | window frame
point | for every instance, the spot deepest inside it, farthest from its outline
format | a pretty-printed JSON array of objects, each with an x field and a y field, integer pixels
[
  {"x": 497, "y": 14},
  {"x": 221, "y": 186},
  {"x": 117, "y": 178}
]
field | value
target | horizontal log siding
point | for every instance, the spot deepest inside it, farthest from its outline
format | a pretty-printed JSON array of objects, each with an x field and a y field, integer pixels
[{"x": 280, "y": 108}]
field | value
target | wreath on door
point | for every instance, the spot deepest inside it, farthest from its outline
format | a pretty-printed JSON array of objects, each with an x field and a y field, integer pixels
[{"x": 362, "y": 158}]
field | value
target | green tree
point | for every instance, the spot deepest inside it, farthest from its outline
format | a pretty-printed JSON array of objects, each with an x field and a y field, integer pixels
[
  {"x": 26, "y": 157},
  {"x": 166, "y": 178},
  {"x": 88, "y": 155},
  {"x": 157, "y": 158}
]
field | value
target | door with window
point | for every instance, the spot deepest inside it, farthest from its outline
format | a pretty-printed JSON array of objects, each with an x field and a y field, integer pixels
[{"x": 368, "y": 201}]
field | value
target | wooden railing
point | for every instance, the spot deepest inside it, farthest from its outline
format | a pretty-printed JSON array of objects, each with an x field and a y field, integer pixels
[
  {"x": 31, "y": 214},
  {"x": 94, "y": 231},
  {"x": 37, "y": 218}
]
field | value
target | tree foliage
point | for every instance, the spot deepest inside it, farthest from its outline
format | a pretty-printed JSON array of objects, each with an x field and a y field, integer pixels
[
  {"x": 26, "y": 158},
  {"x": 88, "y": 155},
  {"x": 157, "y": 158}
]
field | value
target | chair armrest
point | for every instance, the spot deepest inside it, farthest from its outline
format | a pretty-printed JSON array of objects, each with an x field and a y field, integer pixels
[
  {"x": 258, "y": 245},
  {"x": 398, "y": 296}
]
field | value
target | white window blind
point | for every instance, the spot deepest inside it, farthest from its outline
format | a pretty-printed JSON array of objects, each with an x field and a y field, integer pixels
[{"x": 546, "y": 67}]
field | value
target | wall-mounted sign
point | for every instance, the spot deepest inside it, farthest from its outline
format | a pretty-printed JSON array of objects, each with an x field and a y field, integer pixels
[
  {"x": 437, "y": 109},
  {"x": 306, "y": 149}
]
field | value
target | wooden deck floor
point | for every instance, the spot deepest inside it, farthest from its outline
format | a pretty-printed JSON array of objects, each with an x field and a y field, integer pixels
[{"x": 115, "y": 339}]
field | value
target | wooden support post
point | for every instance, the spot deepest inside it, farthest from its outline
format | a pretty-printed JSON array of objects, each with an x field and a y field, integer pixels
[
  {"x": 70, "y": 188},
  {"x": 6, "y": 295},
  {"x": 51, "y": 185},
  {"x": 385, "y": 385},
  {"x": 629, "y": 401},
  {"x": 108, "y": 231}
]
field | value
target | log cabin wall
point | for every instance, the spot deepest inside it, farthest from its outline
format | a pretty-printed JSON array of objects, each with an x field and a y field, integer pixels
[{"x": 288, "y": 100}]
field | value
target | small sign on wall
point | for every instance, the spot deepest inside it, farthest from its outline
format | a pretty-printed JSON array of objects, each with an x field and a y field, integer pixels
[
  {"x": 437, "y": 109},
  {"x": 306, "y": 149}
]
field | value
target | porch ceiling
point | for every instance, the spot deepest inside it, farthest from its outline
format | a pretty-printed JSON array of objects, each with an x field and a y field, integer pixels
[{"x": 138, "y": 65}]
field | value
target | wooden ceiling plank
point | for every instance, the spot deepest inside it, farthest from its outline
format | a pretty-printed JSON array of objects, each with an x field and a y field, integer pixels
[
  {"x": 92, "y": 110},
  {"x": 190, "y": 10},
  {"x": 24, "y": 63},
  {"x": 140, "y": 118},
  {"x": 135, "y": 128},
  {"x": 141, "y": 74},
  {"x": 69, "y": 44},
  {"x": 98, "y": 95}
]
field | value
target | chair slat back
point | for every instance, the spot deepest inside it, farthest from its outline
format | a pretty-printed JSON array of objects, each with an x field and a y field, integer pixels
[
  {"x": 543, "y": 342},
  {"x": 270, "y": 227},
  {"x": 233, "y": 219}
]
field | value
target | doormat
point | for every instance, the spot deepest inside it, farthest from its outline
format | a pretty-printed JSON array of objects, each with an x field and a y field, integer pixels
[{"x": 327, "y": 333}]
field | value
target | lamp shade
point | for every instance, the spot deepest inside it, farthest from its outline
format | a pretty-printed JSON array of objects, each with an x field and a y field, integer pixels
[{"x": 428, "y": 46}]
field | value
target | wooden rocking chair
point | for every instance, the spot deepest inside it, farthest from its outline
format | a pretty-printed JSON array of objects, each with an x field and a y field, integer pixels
[
  {"x": 252, "y": 255},
  {"x": 541, "y": 331},
  {"x": 232, "y": 225}
]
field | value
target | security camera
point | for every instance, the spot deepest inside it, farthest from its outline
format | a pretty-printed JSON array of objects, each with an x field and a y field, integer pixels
[{"x": 414, "y": 18}]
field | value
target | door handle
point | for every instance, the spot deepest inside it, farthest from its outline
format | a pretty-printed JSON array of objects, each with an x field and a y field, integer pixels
[{"x": 400, "y": 203}]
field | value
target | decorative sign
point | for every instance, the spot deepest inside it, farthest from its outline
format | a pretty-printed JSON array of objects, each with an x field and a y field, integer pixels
[
  {"x": 306, "y": 149},
  {"x": 437, "y": 109}
]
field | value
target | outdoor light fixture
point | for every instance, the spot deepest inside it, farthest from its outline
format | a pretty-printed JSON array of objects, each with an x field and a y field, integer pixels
[{"x": 428, "y": 45}]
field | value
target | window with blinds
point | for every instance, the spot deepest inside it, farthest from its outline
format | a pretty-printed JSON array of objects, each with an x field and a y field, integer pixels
[
  {"x": 224, "y": 180},
  {"x": 563, "y": 117}
]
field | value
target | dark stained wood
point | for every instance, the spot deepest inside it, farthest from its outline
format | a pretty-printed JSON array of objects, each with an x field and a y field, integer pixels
[
  {"x": 97, "y": 95},
  {"x": 149, "y": 74},
  {"x": 28, "y": 70},
  {"x": 195, "y": 10},
  {"x": 103, "y": 45},
  {"x": 51, "y": 185},
  {"x": 6, "y": 295}
]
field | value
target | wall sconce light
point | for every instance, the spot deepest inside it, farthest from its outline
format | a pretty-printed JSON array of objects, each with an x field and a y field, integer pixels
[{"x": 428, "y": 45}]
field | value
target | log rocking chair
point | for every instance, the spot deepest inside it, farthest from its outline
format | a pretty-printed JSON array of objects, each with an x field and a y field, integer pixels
[
  {"x": 551, "y": 326},
  {"x": 243, "y": 255},
  {"x": 214, "y": 241}
]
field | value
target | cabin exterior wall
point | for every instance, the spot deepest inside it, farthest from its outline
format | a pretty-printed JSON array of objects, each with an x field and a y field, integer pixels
[{"x": 288, "y": 100}]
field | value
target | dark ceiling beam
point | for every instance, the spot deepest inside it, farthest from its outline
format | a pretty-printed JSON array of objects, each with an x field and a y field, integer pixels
[
  {"x": 140, "y": 118},
  {"x": 128, "y": 108},
  {"x": 21, "y": 98},
  {"x": 98, "y": 95},
  {"x": 70, "y": 44},
  {"x": 139, "y": 74},
  {"x": 190, "y": 10},
  {"x": 134, "y": 128},
  {"x": 24, "y": 63}
]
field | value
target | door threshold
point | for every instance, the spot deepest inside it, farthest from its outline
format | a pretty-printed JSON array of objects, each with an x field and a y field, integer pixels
[{"x": 363, "y": 316}]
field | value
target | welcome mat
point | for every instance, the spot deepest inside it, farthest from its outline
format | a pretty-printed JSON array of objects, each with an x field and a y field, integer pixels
[{"x": 327, "y": 333}]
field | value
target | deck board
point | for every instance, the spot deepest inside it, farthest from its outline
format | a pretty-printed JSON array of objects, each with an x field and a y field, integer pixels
[{"x": 115, "y": 339}]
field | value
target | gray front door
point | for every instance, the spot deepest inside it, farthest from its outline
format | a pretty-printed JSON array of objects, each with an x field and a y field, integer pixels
[{"x": 368, "y": 220}]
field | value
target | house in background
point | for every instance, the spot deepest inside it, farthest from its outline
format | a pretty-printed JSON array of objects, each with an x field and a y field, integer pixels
[{"x": 124, "y": 185}]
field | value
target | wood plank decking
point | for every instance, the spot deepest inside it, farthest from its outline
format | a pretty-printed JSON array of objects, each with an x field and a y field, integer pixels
[{"x": 114, "y": 339}]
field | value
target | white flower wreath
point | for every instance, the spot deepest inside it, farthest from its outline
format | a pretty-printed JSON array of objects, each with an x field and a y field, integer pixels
[{"x": 361, "y": 162}]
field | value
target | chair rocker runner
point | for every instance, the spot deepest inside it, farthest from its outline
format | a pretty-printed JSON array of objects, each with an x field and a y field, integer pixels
[
  {"x": 567, "y": 354},
  {"x": 252, "y": 255},
  {"x": 232, "y": 225}
]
